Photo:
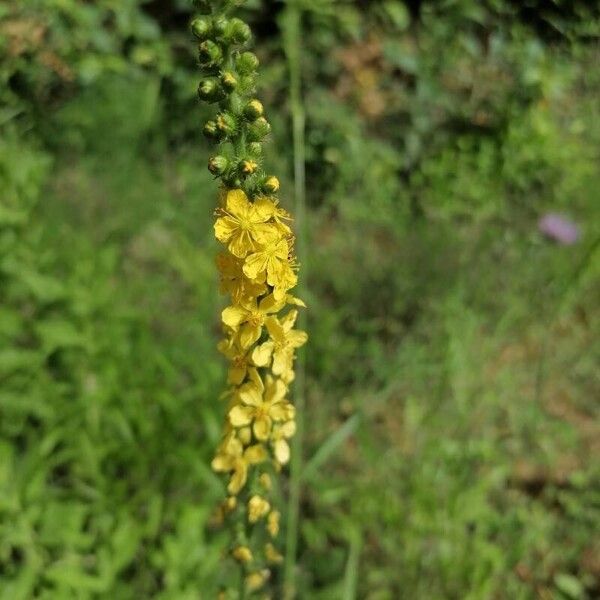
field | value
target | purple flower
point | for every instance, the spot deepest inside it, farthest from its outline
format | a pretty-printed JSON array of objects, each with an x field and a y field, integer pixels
[{"x": 559, "y": 229}]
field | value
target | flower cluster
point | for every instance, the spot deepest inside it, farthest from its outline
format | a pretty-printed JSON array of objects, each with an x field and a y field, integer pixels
[{"x": 258, "y": 270}]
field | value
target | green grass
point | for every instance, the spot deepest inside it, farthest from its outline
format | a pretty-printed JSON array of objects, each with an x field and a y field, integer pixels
[{"x": 450, "y": 446}]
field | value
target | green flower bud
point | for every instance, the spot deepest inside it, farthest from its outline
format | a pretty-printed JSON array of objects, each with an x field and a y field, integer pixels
[
  {"x": 209, "y": 90},
  {"x": 226, "y": 123},
  {"x": 253, "y": 110},
  {"x": 229, "y": 81},
  {"x": 220, "y": 25},
  {"x": 237, "y": 32},
  {"x": 217, "y": 165},
  {"x": 258, "y": 130},
  {"x": 247, "y": 63},
  {"x": 255, "y": 148},
  {"x": 211, "y": 131},
  {"x": 270, "y": 185},
  {"x": 248, "y": 167},
  {"x": 201, "y": 28},
  {"x": 209, "y": 53}
]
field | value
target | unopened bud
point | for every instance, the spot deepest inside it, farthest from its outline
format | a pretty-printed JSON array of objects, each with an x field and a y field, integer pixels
[
  {"x": 226, "y": 123},
  {"x": 229, "y": 81},
  {"x": 258, "y": 130},
  {"x": 220, "y": 25},
  {"x": 244, "y": 433},
  {"x": 247, "y": 63},
  {"x": 242, "y": 554},
  {"x": 217, "y": 165},
  {"x": 253, "y": 110},
  {"x": 209, "y": 53},
  {"x": 201, "y": 28},
  {"x": 271, "y": 184},
  {"x": 255, "y": 148},
  {"x": 237, "y": 31},
  {"x": 209, "y": 90},
  {"x": 248, "y": 167},
  {"x": 210, "y": 130}
]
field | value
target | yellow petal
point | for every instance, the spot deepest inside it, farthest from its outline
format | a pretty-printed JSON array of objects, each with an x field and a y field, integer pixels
[
  {"x": 272, "y": 555},
  {"x": 249, "y": 335},
  {"x": 264, "y": 208},
  {"x": 225, "y": 227},
  {"x": 238, "y": 479},
  {"x": 241, "y": 244},
  {"x": 276, "y": 391},
  {"x": 236, "y": 375},
  {"x": 222, "y": 463},
  {"x": 233, "y": 316},
  {"x": 240, "y": 415},
  {"x": 237, "y": 203},
  {"x": 275, "y": 329},
  {"x": 254, "y": 376},
  {"x": 255, "y": 454},
  {"x": 282, "y": 451},
  {"x": 282, "y": 361},
  {"x": 266, "y": 233},
  {"x": 262, "y": 428},
  {"x": 289, "y": 320},
  {"x": 261, "y": 355},
  {"x": 278, "y": 412},
  {"x": 250, "y": 395},
  {"x": 255, "y": 263},
  {"x": 269, "y": 304},
  {"x": 288, "y": 429},
  {"x": 297, "y": 338},
  {"x": 296, "y": 301}
]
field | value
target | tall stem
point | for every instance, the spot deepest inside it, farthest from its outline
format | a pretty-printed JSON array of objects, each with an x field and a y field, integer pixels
[{"x": 292, "y": 46}]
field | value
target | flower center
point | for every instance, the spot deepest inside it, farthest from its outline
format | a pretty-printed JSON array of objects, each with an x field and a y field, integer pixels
[{"x": 256, "y": 319}]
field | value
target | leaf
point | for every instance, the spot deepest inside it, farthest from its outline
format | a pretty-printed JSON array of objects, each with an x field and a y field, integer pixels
[
  {"x": 330, "y": 446},
  {"x": 57, "y": 334},
  {"x": 569, "y": 585},
  {"x": 43, "y": 287},
  {"x": 397, "y": 13},
  {"x": 15, "y": 359}
]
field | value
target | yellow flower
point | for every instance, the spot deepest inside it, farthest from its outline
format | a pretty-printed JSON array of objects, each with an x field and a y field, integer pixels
[
  {"x": 257, "y": 508},
  {"x": 261, "y": 405},
  {"x": 242, "y": 554},
  {"x": 278, "y": 214},
  {"x": 285, "y": 279},
  {"x": 250, "y": 315},
  {"x": 272, "y": 555},
  {"x": 279, "y": 437},
  {"x": 231, "y": 457},
  {"x": 273, "y": 523},
  {"x": 243, "y": 225},
  {"x": 256, "y": 580},
  {"x": 245, "y": 435},
  {"x": 265, "y": 481},
  {"x": 270, "y": 258},
  {"x": 282, "y": 345},
  {"x": 229, "y": 504},
  {"x": 239, "y": 358},
  {"x": 234, "y": 282}
]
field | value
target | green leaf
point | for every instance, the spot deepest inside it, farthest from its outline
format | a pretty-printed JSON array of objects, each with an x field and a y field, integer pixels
[
  {"x": 330, "y": 446},
  {"x": 570, "y": 586},
  {"x": 57, "y": 334}
]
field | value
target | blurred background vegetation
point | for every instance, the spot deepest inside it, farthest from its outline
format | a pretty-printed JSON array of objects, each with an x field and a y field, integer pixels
[{"x": 453, "y": 430}]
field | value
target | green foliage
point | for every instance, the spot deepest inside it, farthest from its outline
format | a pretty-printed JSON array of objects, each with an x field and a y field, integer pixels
[{"x": 452, "y": 371}]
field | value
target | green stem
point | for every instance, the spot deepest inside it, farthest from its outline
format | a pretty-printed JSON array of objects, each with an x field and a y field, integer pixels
[{"x": 292, "y": 46}]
